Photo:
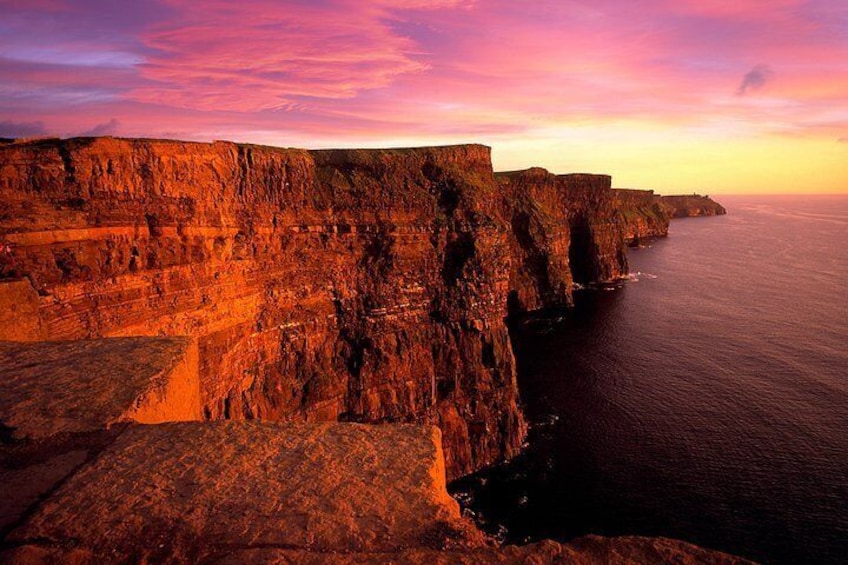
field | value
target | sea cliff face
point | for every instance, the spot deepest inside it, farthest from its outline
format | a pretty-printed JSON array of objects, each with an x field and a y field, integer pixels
[
  {"x": 643, "y": 214},
  {"x": 564, "y": 229},
  {"x": 332, "y": 285}
]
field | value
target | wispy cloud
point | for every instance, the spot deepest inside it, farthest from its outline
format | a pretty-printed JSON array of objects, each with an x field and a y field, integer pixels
[
  {"x": 105, "y": 128},
  {"x": 334, "y": 72},
  {"x": 255, "y": 55}
]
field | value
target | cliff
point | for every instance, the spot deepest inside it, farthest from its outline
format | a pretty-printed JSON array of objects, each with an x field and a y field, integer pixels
[
  {"x": 145, "y": 283},
  {"x": 564, "y": 229},
  {"x": 690, "y": 205},
  {"x": 643, "y": 214},
  {"x": 364, "y": 286}
]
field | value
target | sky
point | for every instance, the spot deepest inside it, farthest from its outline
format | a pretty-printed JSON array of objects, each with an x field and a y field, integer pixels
[{"x": 710, "y": 96}]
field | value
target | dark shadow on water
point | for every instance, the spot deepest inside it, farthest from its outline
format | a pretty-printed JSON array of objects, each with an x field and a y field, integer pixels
[{"x": 549, "y": 490}]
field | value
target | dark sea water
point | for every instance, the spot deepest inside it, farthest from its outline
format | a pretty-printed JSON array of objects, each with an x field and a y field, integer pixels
[{"x": 706, "y": 400}]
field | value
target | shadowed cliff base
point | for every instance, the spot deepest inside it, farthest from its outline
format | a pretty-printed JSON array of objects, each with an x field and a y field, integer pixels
[{"x": 365, "y": 286}]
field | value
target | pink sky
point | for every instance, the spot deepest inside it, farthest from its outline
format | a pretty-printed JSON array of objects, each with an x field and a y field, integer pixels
[{"x": 679, "y": 95}]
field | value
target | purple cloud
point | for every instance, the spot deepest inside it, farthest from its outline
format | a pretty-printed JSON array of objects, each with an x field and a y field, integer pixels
[
  {"x": 8, "y": 128},
  {"x": 106, "y": 128},
  {"x": 754, "y": 79}
]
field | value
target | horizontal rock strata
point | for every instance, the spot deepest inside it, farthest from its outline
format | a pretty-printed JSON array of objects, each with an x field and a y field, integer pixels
[{"x": 331, "y": 285}]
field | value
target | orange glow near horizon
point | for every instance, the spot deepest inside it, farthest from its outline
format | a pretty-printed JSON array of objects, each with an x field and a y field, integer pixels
[{"x": 708, "y": 96}]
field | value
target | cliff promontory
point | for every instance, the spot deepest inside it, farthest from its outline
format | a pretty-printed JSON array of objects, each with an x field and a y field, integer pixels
[
  {"x": 644, "y": 214},
  {"x": 690, "y": 205}
]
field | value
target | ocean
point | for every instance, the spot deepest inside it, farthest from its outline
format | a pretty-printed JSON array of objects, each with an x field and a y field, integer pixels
[{"x": 705, "y": 399}]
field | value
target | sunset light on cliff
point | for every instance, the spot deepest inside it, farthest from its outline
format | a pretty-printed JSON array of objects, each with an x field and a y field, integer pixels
[{"x": 714, "y": 96}]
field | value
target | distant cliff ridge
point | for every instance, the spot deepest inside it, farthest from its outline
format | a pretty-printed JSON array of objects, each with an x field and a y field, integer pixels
[
  {"x": 564, "y": 229},
  {"x": 643, "y": 214},
  {"x": 646, "y": 214},
  {"x": 690, "y": 205}
]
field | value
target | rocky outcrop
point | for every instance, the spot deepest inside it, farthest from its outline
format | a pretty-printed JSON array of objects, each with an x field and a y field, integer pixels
[
  {"x": 564, "y": 229},
  {"x": 691, "y": 205},
  {"x": 67, "y": 387},
  {"x": 255, "y": 492},
  {"x": 364, "y": 286},
  {"x": 643, "y": 214}
]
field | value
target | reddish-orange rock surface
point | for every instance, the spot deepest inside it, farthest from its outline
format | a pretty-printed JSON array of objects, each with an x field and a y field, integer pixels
[
  {"x": 221, "y": 281},
  {"x": 192, "y": 490},
  {"x": 333, "y": 285},
  {"x": 50, "y": 388},
  {"x": 253, "y": 492}
]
